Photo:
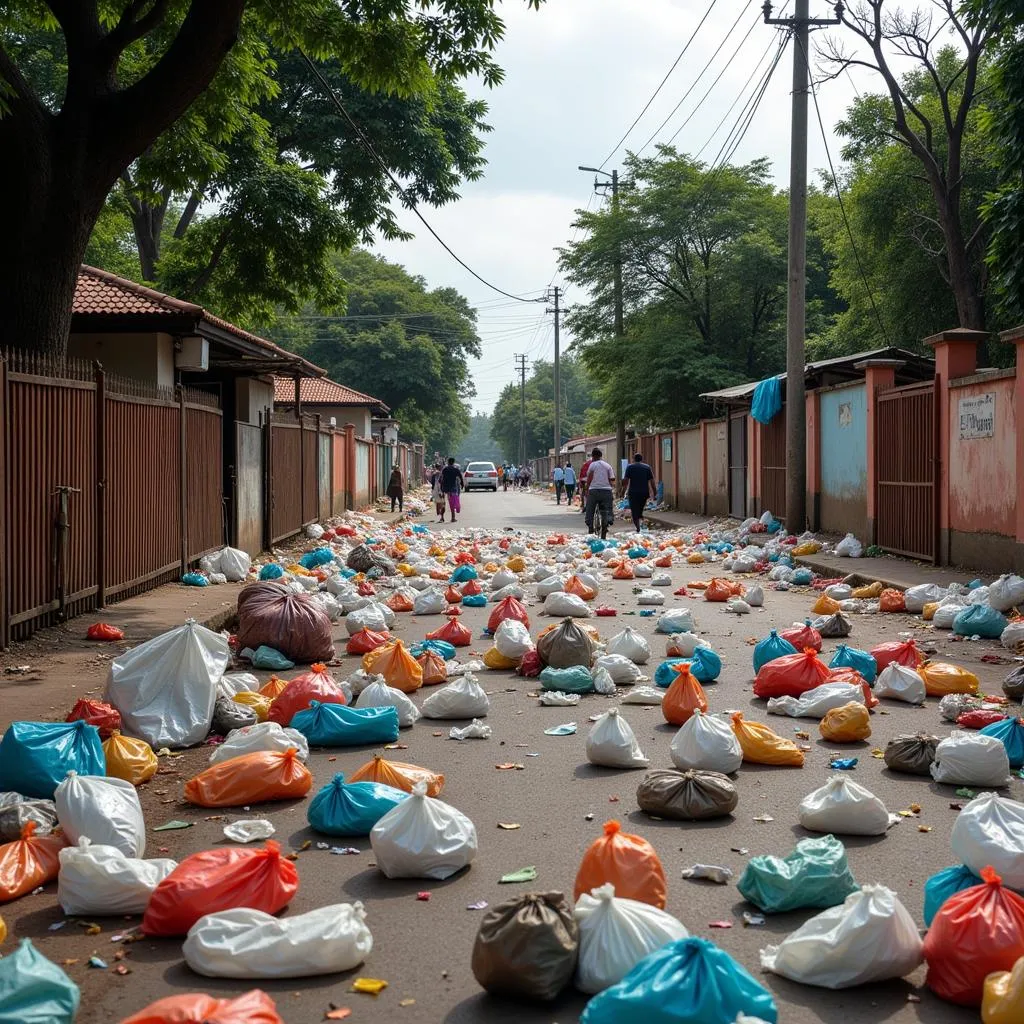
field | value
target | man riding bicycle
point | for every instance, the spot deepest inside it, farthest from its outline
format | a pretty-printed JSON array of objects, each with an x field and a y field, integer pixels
[{"x": 600, "y": 482}]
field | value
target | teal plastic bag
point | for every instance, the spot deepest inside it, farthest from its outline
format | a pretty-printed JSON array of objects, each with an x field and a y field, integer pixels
[
  {"x": 638, "y": 552},
  {"x": 34, "y": 990},
  {"x": 337, "y": 725},
  {"x": 271, "y": 571},
  {"x": 313, "y": 559},
  {"x": 463, "y": 574},
  {"x": 36, "y": 756},
  {"x": 942, "y": 885},
  {"x": 980, "y": 620},
  {"x": 802, "y": 577},
  {"x": 665, "y": 673},
  {"x": 351, "y": 808},
  {"x": 195, "y": 579},
  {"x": 705, "y": 665},
  {"x": 442, "y": 647},
  {"x": 767, "y": 401},
  {"x": 688, "y": 981},
  {"x": 1010, "y": 732},
  {"x": 475, "y": 600},
  {"x": 270, "y": 659},
  {"x": 771, "y": 647},
  {"x": 815, "y": 874},
  {"x": 576, "y": 679},
  {"x": 853, "y": 657}
]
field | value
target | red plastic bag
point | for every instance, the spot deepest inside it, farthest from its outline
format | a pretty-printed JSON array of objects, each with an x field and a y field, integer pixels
[
  {"x": 531, "y": 666},
  {"x": 471, "y": 588},
  {"x": 29, "y": 862},
  {"x": 452, "y": 595},
  {"x": 105, "y": 717},
  {"x": 366, "y": 589},
  {"x": 366, "y": 640},
  {"x": 104, "y": 631},
  {"x": 399, "y": 602},
  {"x": 892, "y": 600},
  {"x": 802, "y": 637},
  {"x": 291, "y": 623},
  {"x": 845, "y": 674},
  {"x": 454, "y": 633},
  {"x": 629, "y": 862},
  {"x": 453, "y": 609},
  {"x": 977, "y": 931},
  {"x": 253, "y": 1007},
  {"x": 791, "y": 675},
  {"x": 464, "y": 558},
  {"x": 220, "y": 879},
  {"x": 903, "y": 652},
  {"x": 317, "y": 684},
  {"x": 508, "y": 608},
  {"x": 979, "y": 719},
  {"x": 605, "y": 611}
]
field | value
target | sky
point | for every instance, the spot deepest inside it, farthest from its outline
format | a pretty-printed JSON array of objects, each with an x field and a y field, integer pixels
[{"x": 577, "y": 72}]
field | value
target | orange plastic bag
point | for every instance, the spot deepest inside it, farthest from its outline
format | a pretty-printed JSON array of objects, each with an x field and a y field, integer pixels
[
  {"x": 29, "y": 862},
  {"x": 516, "y": 563},
  {"x": 104, "y": 631},
  {"x": 370, "y": 657},
  {"x": 452, "y": 595},
  {"x": 902, "y": 652},
  {"x": 221, "y": 879},
  {"x": 255, "y": 702},
  {"x": 251, "y": 779},
  {"x": 317, "y": 684},
  {"x": 574, "y": 585},
  {"x": 940, "y": 678},
  {"x": 1002, "y": 1001},
  {"x": 253, "y": 1007},
  {"x": 398, "y": 667},
  {"x": 977, "y": 931},
  {"x": 399, "y": 602},
  {"x": 695, "y": 559},
  {"x": 684, "y": 696},
  {"x": 825, "y": 605},
  {"x": 493, "y": 658},
  {"x": 105, "y": 717},
  {"x": 624, "y": 571},
  {"x": 718, "y": 590},
  {"x": 802, "y": 637},
  {"x": 398, "y": 774},
  {"x": 628, "y": 862},
  {"x": 508, "y": 608},
  {"x": 365, "y": 640},
  {"x": 273, "y": 687},
  {"x": 665, "y": 562},
  {"x": 791, "y": 675},
  {"x": 129, "y": 759},
  {"x": 892, "y": 600},
  {"x": 762, "y": 746},
  {"x": 454, "y": 633},
  {"x": 846, "y": 724},
  {"x": 435, "y": 670}
]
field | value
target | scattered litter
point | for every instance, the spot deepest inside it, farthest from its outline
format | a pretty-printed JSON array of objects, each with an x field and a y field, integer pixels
[
  {"x": 528, "y": 874},
  {"x": 423, "y": 897},
  {"x": 712, "y": 872},
  {"x": 173, "y": 825},
  {"x": 967, "y": 794},
  {"x": 476, "y": 730},
  {"x": 338, "y": 1013},
  {"x": 752, "y": 920},
  {"x": 720, "y": 924},
  {"x": 57, "y": 927},
  {"x": 762, "y": 818},
  {"x": 406, "y": 1002},
  {"x": 567, "y": 729},
  {"x": 345, "y": 851},
  {"x": 368, "y": 986},
  {"x": 479, "y": 905},
  {"x": 843, "y": 764},
  {"x": 508, "y": 826},
  {"x": 95, "y": 961},
  {"x": 741, "y": 850},
  {"x": 510, "y": 766},
  {"x": 249, "y": 830}
]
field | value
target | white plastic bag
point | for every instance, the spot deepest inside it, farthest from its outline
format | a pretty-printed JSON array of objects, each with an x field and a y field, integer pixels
[
  {"x": 166, "y": 687},
  {"x": 603, "y": 682},
  {"x": 649, "y": 695},
  {"x": 706, "y": 742},
  {"x": 1013, "y": 636},
  {"x": 623, "y": 671},
  {"x": 917, "y": 597},
  {"x": 661, "y": 579},
  {"x": 97, "y": 879},
  {"x": 737, "y": 606},
  {"x": 990, "y": 830},
  {"x": 429, "y": 602},
  {"x": 844, "y": 807},
  {"x": 476, "y": 730},
  {"x": 551, "y": 585},
  {"x": 370, "y": 616},
  {"x": 616, "y": 934},
  {"x": 818, "y": 702},
  {"x": 380, "y": 695},
  {"x": 463, "y": 697},
  {"x": 512, "y": 590},
  {"x": 1007, "y": 592},
  {"x": 561, "y": 604},
  {"x": 512, "y": 639},
  {"x": 675, "y": 620},
  {"x": 971, "y": 759},
  {"x": 558, "y": 699},
  {"x": 237, "y": 682},
  {"x": 503, "y": 578},
  {"x": 945, "y": 614},
  {"x": 646, "y": 596},
  {"x": 329, "y": 603},
  {"x": 423, "y": 837},
  {"x": 630, "y": 644},
  {"x": 849, "y": 547},
  {"x": 683, "y": 645},
  {"x": 754, "y": 596},
  {"x": 234, "y": 564},
  {"x": 264, "y": 736},
  {"x": 104, "y": 809},
  {"x": 611, "y": 743},
  {"x": 869, "y": 937},
  {"x": 839, "y": 591},
  {"x": 246, "y": 943},
  {"x": 898, "y": 682},
  {"x": 314, "y": 531},
  {"x": 643, "y": 570}
]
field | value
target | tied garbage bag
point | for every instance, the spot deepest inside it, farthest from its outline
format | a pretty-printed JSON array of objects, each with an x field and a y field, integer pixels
[
  {"x": 230, "y": 714},
  {"x": 623, "y": 671},
  {"x": 531, "y": 666},
  {"x": 705, "y": 665},
  {"x": 803, "y": 636},
  {"x": 844, "y": 807},
  {"x": 815, "y": 874},
  {"x": 1009, "y": 732},
  {"x": 494, "y": 659},
  {"x": 1002, "y": 1000},
  {"x": 33, "y": 990},
  {"x": 825, "y": 605},
  {"x": 615, "y": 935},
  {"x": 264, "y": 736},
  {"x": 251, "y": 779},
  {"x": 508, "y": 608},
  {"x": 683, "y": 697},
  {"x": 848, "y": 724},
  {"x": 898, "y": 682},
  {"x": 859, "y": 661},
  {"x": 980, "y": 620},
  {"x": 665, "y": 673},
  {"x": 771, "y": 647},
  {"x": 688, "y": 980},
  {"x": 29, "y": 862},
  {"x": 915, "y": 598},
  {"x": 398, "y": 775},
  {"x": 36, "y": 756},
  {"x": 683, "y": 645},
  {"x": 691, "y": 795},
  {"x": 818, "y": 702},
  {"x": 565, "y": 646},
  {"x": 912, "y": 754},
  {"x": 1006, "y": 593},
  {"x": 706, "y": 743},
  {"x": 105, "y": 717},
  {"x": 255, "y": 703},
  {"x": 626, "y": 861},
  {"x": 970, "y": 759},
  {"x": 435, "y": 671},
  {"x": 871, "y": 937},
  {"x": 946, "y": 883},
  {"x": 337, "y": 725},
  {"x": 941, "y": 678},
  {"x": 611, "y": 743},
  {"x": 576, "y": 679},
  {"x": 98, "y": 879},
  {"x": 129, "y": 759},
  {"x": 891, "y": 600},
  {"x": 398, "y": 667},
  {"x": 351, "y": 808},
  {"x": 980, "y": 718},
  {"x": 574, "y": 585},
  {"x": 990, "y": 831},
  {"x": 834, "y": 626},
  {"x": 630, "y": 644},
  {"x": 106, "y": 810},
  {"x": 562, "y": 604},
  {"x": 316, "y": 685},
  {"x": 245, "y": 943},
  {"x": 379, "y": 695},
  {"x": 294, "y": 624},
  {"x": 452, "y": 632},
  {"x": 791, "y": 675},
  {"x": 900, "y": 652},
  {"x": 512, "y": 639},
  {"x": 16, "y": 811},
  {"x": 675, "y": 620},
  {"x": 423, "y": 837},
  {"x": 762, "y": 746},
  {"x": 975, "y": 932},
  {"x": 526, "y": 947},
  {"x": 365, "y": 640},
  {"x": 463, "y": 697},
  {"x": 221, "y": 879}
]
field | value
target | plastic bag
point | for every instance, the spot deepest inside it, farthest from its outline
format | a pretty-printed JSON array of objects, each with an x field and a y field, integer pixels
[
  {"x": 762, "y": 746},
  {"x": 367, "y": 617},
  {"x": 105, "y": 717},
  {"x": 337, "y": 725},
  {"x": 423, "y": 837},
  {"x": 253, "y": 1007},
  {"x": 98, "y": 879},
  {"x": 1002, "y": 1001},
  {"x": 834, "y": 626},
  {"x": 626, "y": 861},
  {"x": 630, "y": 644},
  {"x": 645, "y": 695},
  {"x": 1012, "y": 638},
  {"x": 560, "y": 603},
  {"x": 398, "y": 667},
  {"x": 34, "y": 990},
  {"x": 29, "y": 862},
  {"x": 912, "y": 754},
  {"x": 623, "y": 671},
  {"x": 891, "y": 600},
  {"x": 244, "y": 943},
  {"x": 898, "y": 682},
  {"x": 719, "y": 590},
  {"x": 106, "y": 810},
  {"x": 844, "y": 807},
  {"x": 869, "y": 592},
  {"x": 899, "y": 652},
  {"x": 944, "y": 884},
  {"x": 16, "y": 811},
  {"x": 351, "y": 808},
  {"x": 526, "y": 947},
  {"x": 265, "y": 657},
  {"x": 803, "y": 636},
  {"x": 435, "y": 671},
  {"x": 846, "y": 724},
  {"x": 566, "y": 645},
  {"x": 1006, "y": 593},
  {"x": 791, "y": 675},
  {"x": 36, "y": 756},
  {"x": 453, "y": 632},
  {"x": 980, "y": 620},
  {"x": 980, "y": 718},
  {"x": 512, "y": 639},
  {"x": 220, "y": 879},
  {"x": 941, "y": 678},
  {"x": 945, "y": 615},
  {"x": 398, "y": 775},
  {"x": 379, "y": 695},
  {"x": 1010, "y": 732},
  {"x": 291, "y": 623},
  {"x": 255, "y": 703},
  {"x": 691, "y": 795},
  {"x": 230, "y": 714},
  {"x": 264, "y": 736},
  {"x": 970, "y": 759},
  {"x": 103, "y": 631},
  {"x": 683, "y": 645},
  {"x": 870, "y": 938},
  {"x": 683, "y": 697},
  {"x": 915, "y": 598},
  {"x": 688, "y": 980},
  {"x": 509, "y": 608},
  {"x": 825, "y": 605},
  {"x": 990, "y": 831},
  {"x": 494, "y": 659},
  {"x": 818, "y": 702},
  {"x": 616, "y": 934},
  {"x": 851, "y": 657},
  {"x": 316, "y": 685},
  {"x": 129, "y": 759},
  {"x": 611, "y": 743},
  {"x": 706, "y": 665},
  {"x": 576, "y": 679},
  {"x": 815, "y": 874},
  {"x": 463, "y": 697},
  {"x": 771, "y": 647},
  {"x": 961, "y": 945},
  {"x": 675, "y": 620},
  {"x": 251, "y": 779},
  {"x": 365, "y": 640},
  {"x": 706, "y": 743}
]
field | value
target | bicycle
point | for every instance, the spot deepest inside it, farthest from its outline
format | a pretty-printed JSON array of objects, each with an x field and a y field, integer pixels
[{"x": 603, "y": 519}]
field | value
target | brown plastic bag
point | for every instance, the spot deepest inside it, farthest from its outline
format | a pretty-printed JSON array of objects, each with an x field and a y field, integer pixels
[
  {"x": 398, "y": 774},
  {"x": 846, "y": 724},
  {"x": 940, "y": 678},
  {"x": 29, "y": 862},
  {"x": 434, "y": 668},
  {"x": 628, "y": 862},
  {"x": 250, "y": 779},
  {"x": 527, "y": 946},
  {"x": 912, "y": 754},
  {"x": 566, "y": 645},
  {"x": 129, "y": 759},
  {"x": 684, "y": 696},
  {"x": 762, "y": 746},
  {"x": 892, "y": 600},
  {"x": 291, "y": 623},
  {"x": 398, "y": 667},
  {"x": 692, "y": 795}
]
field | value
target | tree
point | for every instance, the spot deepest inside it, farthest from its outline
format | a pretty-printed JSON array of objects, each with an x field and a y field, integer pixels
[
  {"x": 134, "y": 70},
  {"x": 478, "y": 445}
]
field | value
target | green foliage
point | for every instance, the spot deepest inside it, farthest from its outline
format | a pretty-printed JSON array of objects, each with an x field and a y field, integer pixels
[{"x": 478, "y": 445}]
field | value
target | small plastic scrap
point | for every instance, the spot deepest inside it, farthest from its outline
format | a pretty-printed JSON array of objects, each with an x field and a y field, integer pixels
[
  {"x": 567, "y": 729},
  {"x": 528, "y": 874},
  {"x": 719, "y": 924},
  {"x": 712, "y": 872},
  {"x": 752, "y": 920},
  {"x": 174, "y": 824},
  {"x": 479, "y": 905},
  {"x": 843, "y": 764},
  {"x": 369, "y": 986},
  {"x": 423, "y": 897},
  {"x": 248, "y": 830}
]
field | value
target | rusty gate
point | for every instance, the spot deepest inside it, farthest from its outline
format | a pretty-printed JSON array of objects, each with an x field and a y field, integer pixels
[
  {"x": 906, "y": 464},
  {"x": 773, "y": 465},
  {"x": 737, "y": 462}
]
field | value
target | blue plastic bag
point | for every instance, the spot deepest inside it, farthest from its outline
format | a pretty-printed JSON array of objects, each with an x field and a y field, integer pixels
[
  {"x": 463, "y": 574},
  {"x": 665, "y": 673},
  {"x": 195, "y": 579},
  {"x": 34, "y": 990},
  {"x": 853, "y": 657},
  {"x": 688, "y": 981},
  {"x": 271, "y": 571},
  {"x": 318, "y": 557},
  {"x": 338, "y": 725},
  {"x": 442, "y": 647},
  {"x": 576, "y": 679},
  {"x": 1010, "y": 732},
  {"x": 36, "y": 756},
  {"x": 271, "y": 659},
  {"x": 980, "y": 620},
  {"x": 771, "y": 647},
  {"x": 705, "y": 665},
  {"x": 351, "y": 808},
  {"x": 815, "y": 874},
  {"x": 767, "y": 400},
  {"x": 943, "y": 884},
  {"x": 596, "y": 546},
  {"x": 638, "y": 552},
  {"x": 475, "y": 600},
  {"x": 802, "y": 577}
]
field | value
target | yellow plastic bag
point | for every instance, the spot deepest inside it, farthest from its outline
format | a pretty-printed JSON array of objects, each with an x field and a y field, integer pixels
[
  {"x": 255, "y": 702},
  {"x": 3, "y": 929},
  {"x": 406, "y": 569},
  {"x": 1002, "y": 1001},
  {"x": 940, "y": 678},
  {"x": 928, "y": 611},
  {"x": 495, "y": 659},
  {"x": 370, "y": 657},
  {"x": 866, "y": 593},
  {"x": 809, "y": 547},
  {"x": 297, "y": 570},
  {"x": 516, "y": 563},
  {"x": 695, "y": 559},
  {"x": 825, "y": 605},
  {"x": 129, "y": 759},
  {"x": 846, "y": 724},
  {"x": 762, "y": 746},
  {"x": 491, "y": 567}
]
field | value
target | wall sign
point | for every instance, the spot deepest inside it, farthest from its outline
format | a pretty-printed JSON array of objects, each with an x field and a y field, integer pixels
[
  {"x": 977, "y": 416},
  {"x": 666, "y": 449},
  {"x": 845, "y": 414}
]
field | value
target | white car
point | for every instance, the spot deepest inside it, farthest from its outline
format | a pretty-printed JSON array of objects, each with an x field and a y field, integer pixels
[{"x": 481, "y": 474}]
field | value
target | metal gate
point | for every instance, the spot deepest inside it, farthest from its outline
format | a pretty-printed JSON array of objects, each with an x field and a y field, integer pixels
[
  {"x": 738, "y": 466},
  {"x": 249, "y": 487},
  {"x": 773, "y": 465},
  {"x": 906, "y": 461}
]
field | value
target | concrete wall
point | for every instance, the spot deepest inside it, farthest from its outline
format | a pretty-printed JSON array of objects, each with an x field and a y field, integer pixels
[
  {"x": 359, "y": 415},
  {"x": 718, "y": 467},
  {"x": 689, "y": 459},
  {"x": 148, "y": 357},
  {"x": 252, "y": 397},
  {"x": 844, "y": 459}
]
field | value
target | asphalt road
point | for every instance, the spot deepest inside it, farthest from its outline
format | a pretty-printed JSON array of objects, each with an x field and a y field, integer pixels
[{"x": 422, "y": 948}]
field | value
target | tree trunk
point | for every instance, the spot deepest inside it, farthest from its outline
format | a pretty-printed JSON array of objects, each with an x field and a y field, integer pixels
[
  {"x": 147, "y": 223},
  {"x": 970, "y": 304}
]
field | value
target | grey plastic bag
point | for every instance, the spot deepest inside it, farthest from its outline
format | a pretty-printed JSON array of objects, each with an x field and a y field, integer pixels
[
  {"x": 16, "y": 810},
  {"x": 693, "y": 795},
  {"x": 912, "y": 754},
  {"x": 362, "y": 559},
  {"x": 836, "y": 625},
  {"x": 566, "y": 645},
  {"x": 1013, "y": 685},
  {"x": 229, "y": 714}
]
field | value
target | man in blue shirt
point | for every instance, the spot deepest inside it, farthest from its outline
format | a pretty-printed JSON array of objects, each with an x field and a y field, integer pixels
[
  {"x": 569, "y": 479},
  {"x": 558, "y": 476},
  {"x": 637, "y": 484}
]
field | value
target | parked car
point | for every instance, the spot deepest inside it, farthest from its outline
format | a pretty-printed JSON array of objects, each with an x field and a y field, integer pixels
[{"x": 483, "y": 475}]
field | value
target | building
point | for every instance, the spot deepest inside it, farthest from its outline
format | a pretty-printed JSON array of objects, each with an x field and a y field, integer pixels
[{"x": 330, "y": 401}]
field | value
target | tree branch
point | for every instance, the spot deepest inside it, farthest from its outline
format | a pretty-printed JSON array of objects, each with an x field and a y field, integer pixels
[
  {"x": 131, "y": 27},
  {"x": 203, "y": 278},
  {"x": 187, "y": 214}
]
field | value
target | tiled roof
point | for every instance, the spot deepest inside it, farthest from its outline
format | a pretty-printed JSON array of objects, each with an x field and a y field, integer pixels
[
  {"x": 320, "y": 391},
  {"x": 105, "y": 294}
]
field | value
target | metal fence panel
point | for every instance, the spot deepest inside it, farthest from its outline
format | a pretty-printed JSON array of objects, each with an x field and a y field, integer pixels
[{"x": 205, "y": 480}]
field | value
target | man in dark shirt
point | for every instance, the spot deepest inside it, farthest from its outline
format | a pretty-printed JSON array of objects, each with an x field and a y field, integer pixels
[
  {"x": 637, "y": 484},
  {"x": 451, "y": 484}
]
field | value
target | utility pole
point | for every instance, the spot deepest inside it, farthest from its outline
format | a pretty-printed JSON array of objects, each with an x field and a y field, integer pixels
[
  {"x": 557, "y": 376},
  {"x": 796, "y": 294},
  {"x": 521, "y": 367}
]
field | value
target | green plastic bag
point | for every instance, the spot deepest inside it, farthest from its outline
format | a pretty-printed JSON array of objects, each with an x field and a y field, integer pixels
[
  {"x": 815, "y": 874},
  {"x": 270, "y": 659},
  {"x": 33, "y": 990},
  {"x": 576, "y": 679}
]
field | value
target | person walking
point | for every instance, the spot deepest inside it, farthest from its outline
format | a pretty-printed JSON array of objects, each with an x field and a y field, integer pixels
[
  {"x": 637, "y": 484},
  {"x": 395, "y": 491},
  {"x": 436, "y": 494},
  {"x": 584, "y": 470},
  {"x": 569, "y": 478},
  {"x": 506, "y": 472},
  {"x": 451, "y": 485},
  {"x": 600, "y": 484},
  {"x": 558, "y": 476}
]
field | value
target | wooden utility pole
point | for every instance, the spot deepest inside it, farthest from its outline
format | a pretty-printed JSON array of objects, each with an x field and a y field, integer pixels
[
  {"x": 521, "y": 367},
  {"x": 556, "y": 374}
]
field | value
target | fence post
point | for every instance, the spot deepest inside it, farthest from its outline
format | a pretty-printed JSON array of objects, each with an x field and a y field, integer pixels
[
  {"x": 101, "y": 486},
  {"x": 330, "y": 469},
  {"x": 879, "y": 375},
  {"x": 1015, "y": 336},
  {"x": 267, "y": 422},
  {"x": 812, "y": 401},
  {"x": 319, "y": 481},
  {"x": 4, "y": 497},
  {"x": 350, "y": 465},
  {"x": 183, "y": 477},
  {"x": 704, "y": 466}
]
